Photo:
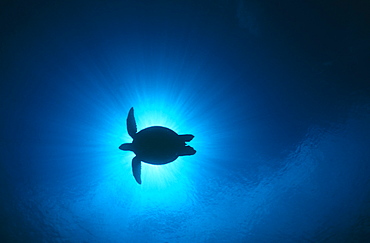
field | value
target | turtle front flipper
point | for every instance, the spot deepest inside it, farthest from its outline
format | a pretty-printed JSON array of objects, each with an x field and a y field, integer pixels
[
  {"x": 131, "y": 123},
  {"x": 136, "y": 169}
]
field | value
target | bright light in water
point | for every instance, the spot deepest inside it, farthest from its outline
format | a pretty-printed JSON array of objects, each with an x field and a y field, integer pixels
[
  {"x": 98, "y": 103},
  {"x": 157, "y": 107}
]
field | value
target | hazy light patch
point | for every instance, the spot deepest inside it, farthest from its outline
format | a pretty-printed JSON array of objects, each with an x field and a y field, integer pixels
[
  {"x": 161, "y": 184},
  {"x": 171, "y": 100}
]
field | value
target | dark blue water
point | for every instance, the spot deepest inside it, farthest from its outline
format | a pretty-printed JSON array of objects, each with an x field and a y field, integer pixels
[{"x": 276, "y": 93}]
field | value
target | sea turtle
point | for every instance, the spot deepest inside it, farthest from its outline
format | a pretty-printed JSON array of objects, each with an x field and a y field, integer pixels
[{"x": 154, "y": 145}]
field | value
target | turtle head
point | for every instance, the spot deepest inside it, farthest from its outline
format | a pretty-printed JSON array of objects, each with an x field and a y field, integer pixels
[{"x": 126, "y": 147}]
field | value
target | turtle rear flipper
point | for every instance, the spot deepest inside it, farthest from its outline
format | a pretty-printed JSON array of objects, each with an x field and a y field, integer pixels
[
  {"x": 186, "y": 150},
  {"x": 136, "y": 169},
  {"x": 131, "y": 123},
  {"x": 186, "y": 137}
]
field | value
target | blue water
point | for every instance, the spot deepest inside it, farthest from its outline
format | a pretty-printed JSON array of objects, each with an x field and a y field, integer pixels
[{"x": 276, "y": 94}]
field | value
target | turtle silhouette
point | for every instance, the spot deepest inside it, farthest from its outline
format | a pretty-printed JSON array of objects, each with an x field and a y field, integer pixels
[{"x": 154, "y": 145}]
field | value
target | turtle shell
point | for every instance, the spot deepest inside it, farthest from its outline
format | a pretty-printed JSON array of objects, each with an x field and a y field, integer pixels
[{"x": 157, "y": 145}]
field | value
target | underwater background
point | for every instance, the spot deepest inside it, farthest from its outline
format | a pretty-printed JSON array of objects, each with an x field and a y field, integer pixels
[{"x": 276, "y": 93}]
